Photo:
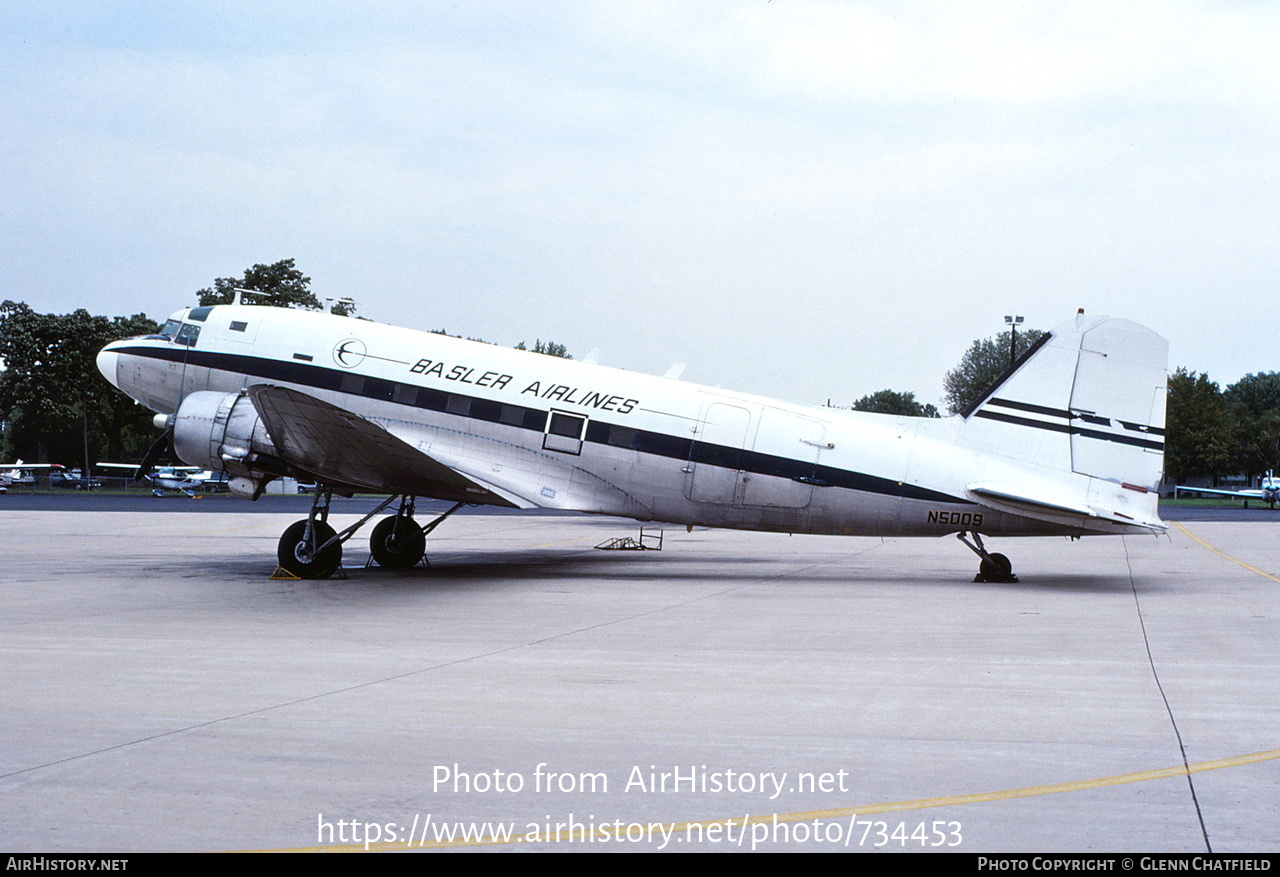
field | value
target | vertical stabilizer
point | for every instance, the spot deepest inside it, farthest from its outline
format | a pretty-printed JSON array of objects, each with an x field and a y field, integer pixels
[{"x": 1088, "y": 401}]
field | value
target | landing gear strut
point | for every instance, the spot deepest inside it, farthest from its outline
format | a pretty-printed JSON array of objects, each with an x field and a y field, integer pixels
[
  {"x": 312, "y": 549},
  {"x": 398, "y": 542},
  {"x": 994, "y": 567}
]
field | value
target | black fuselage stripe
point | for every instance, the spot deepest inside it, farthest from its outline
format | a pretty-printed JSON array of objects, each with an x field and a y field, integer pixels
[
  {"x": 1148, "y": 444},
  {"x": 1034, "y": 409},
  {"x": 535, "y": 419},
  {"x": 1095, "y": 419}
]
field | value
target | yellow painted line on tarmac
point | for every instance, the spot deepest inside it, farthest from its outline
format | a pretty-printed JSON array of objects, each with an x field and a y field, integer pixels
[
  {"x": 696, "y": 829},
  {"x": 1225, "y": 556}
]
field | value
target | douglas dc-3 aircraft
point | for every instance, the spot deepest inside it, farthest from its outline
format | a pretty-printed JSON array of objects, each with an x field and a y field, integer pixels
[{"x": 1069, "y": 442}]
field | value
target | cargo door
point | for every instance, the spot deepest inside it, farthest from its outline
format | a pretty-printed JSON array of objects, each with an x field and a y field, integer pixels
[{"x": 716, "y": 456}]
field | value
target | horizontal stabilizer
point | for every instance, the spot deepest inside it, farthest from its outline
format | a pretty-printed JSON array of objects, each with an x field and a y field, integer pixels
[
  {"x": 1055, "y": 508},
  {"x": 983, "y": 492}
]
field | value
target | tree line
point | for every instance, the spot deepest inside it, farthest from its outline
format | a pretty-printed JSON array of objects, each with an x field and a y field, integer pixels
[
  {"x": 54, "y": 406},
  {"x": 1212, "y": 432}
]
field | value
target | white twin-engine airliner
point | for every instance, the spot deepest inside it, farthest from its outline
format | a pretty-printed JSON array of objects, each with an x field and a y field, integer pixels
[{"x": 1069, "y": 442}]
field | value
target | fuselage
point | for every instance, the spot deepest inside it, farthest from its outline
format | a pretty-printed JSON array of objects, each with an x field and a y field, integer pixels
[{"x": 557, "y": 433}]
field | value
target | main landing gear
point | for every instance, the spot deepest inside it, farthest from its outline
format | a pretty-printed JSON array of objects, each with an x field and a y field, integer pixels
[
  {"x": 994, "y": 567},
  {"x": 397, "y": 542},
  {"x": 312, "y": 549}
]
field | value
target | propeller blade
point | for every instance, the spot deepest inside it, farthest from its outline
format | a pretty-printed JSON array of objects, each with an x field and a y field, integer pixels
[{"x": 162, "y": 448}]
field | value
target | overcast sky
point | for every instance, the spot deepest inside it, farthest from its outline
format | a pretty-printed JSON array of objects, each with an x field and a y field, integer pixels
[{"x": 805, "y": 199}]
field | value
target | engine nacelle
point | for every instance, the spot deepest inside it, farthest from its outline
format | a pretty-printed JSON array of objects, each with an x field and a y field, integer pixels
[{"x": 223, "y": 431}]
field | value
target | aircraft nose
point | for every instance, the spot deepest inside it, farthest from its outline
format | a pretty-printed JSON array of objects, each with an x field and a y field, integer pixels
[{"x": 108, "y": 363}]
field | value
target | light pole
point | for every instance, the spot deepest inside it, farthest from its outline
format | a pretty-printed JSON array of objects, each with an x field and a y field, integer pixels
[{"x": 1012, "y": 321}]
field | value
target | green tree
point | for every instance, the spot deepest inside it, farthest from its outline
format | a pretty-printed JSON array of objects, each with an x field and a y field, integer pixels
[
  {"x": 1200, "y": 433},
  {"x": 1259, "y": 393},
  {"x": 893, "y": 402},
  {"x": 280, "y": 285},
  {"x": 1254, "y": 403},
  {"x": 986, "y": 360},
  {"x": 448, "y": 334},
  {"x": 51, "y": 394},
  {"x": 550, "y": 348},
  {"x": 1260, "y": 443}
]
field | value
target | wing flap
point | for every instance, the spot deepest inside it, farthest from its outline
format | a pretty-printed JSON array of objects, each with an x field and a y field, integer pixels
[{"x": 339, "y": 446}]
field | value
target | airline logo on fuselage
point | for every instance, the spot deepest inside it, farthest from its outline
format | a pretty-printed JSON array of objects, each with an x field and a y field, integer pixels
[
  {"x": 349, "y": 353},
  {"x": 461, "y": 373},
  {"x": 566, "y": 393}
]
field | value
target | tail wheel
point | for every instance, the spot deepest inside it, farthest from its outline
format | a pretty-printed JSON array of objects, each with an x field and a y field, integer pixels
[
  {"x": 397, "y": 542},
  {"x": 995, "y": 568},
  {"x": 300, "y": 557}
]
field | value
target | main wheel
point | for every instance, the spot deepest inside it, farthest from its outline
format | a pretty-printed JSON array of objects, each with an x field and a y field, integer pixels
[
  {"x": 397, "y": 542},
  {"x": 995, "y": 568},
  {"x": 298, "y": 556}
]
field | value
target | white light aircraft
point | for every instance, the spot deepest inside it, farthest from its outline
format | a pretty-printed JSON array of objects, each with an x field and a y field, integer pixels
[
  {"x": 21, "y": 473},
  {"x": 184, "y": 479},
  {"x": 1069, "y": 442},
  {"x": 1268, "y": 492}
]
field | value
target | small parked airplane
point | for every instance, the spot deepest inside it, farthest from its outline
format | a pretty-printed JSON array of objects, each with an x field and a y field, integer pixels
[
  {"x": 184, "y": 479},
  {"x": 1268, "y": 491},
  {"x": 21, "y": 473},
  {"x": 1069, "y": 442}
]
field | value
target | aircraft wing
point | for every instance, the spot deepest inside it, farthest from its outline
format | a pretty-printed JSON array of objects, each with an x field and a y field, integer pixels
[
  {"x": 342, "y": 447},
  {"x": 1241, "y": 494}
]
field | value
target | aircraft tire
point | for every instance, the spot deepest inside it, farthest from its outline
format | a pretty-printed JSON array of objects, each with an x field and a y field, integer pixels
[
  {"x": 397, "y": 542},
  {"x": 996, "y": 568},
  {"x": 296, "y": 557}
]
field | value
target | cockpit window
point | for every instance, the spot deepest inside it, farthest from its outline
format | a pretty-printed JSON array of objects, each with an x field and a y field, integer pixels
[
  {"x": 170, "y": 328},
  {"x": 187, "y": 335}
]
